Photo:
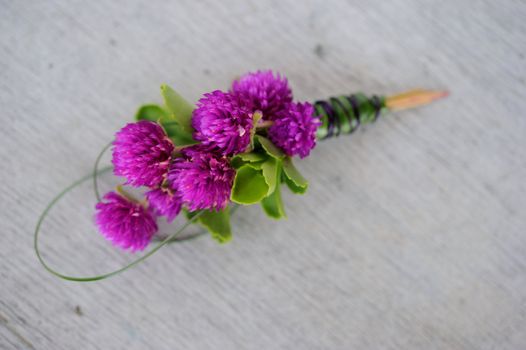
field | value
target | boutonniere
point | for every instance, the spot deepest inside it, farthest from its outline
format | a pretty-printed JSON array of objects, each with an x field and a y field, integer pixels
[{"x": 233, "y": 148}]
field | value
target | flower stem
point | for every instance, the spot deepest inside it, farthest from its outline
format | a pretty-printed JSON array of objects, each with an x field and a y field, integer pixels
[
  {"x": 413, "y": 98},
  {"x": 264, "y": 124},
  {"x": 120, "y": 190}
]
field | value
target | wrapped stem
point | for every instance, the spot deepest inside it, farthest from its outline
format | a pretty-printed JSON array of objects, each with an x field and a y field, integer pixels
[{"x": 344, "y": 114}]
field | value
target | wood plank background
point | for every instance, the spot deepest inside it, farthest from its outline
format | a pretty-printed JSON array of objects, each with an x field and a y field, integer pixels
[{"x": 412, "y": 235}]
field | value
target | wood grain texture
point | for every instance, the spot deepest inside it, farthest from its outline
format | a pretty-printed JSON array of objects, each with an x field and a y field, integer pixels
[{"x": 412, "y": 235}]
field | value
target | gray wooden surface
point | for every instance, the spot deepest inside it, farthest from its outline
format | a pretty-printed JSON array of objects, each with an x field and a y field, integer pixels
[{"x": 413, "y": 233}]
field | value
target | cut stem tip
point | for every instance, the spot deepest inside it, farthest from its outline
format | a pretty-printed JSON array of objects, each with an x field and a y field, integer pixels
[{"x": 414, "y": 98}]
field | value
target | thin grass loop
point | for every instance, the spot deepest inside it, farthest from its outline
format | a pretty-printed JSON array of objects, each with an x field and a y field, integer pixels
[
  {"x": 96, "y": 171},
  {"x": 109, "y": 274}
]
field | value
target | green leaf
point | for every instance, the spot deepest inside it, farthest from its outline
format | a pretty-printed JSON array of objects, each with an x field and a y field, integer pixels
[
  {"x": 293, "y": 187},
  {"x": 151, "y": 112},
  {"x": 217, "y": 223},
  {"x": 273, "y": 205},
  {"x": 178, "y": 135},
  {"x": 294, "y": 176},
  {"x": 251, "y": 157},
  {"x": 237, "y": 163},
  {"x": 158, "y": 114},
  {"x": 180, "y": 110},
  {"x": 249, "y": 185},
  {"x": 269, "y": 147},
  {"x": 255, "y": 165},
  {"x": 271, "y": 169}
]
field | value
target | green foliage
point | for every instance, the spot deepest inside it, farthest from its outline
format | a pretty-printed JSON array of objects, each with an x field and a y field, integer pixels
[
  {"x": 252, "y": 157},
  {"x": 273, "y": 205},
  {"x": 271, "y": 169},
  {"x": 179, "y": 109},
  {"x": 175, "y": 117},
  {"x": 218, "y": 224},
  {"x": 181, "y": 138},
  {"x": 269, "y": 147},
  {"x": 249, "y": 186},
  {"x": 160, "y": 115},
  {"x": 293, "y": 187},
  {"x": 260, "y": 174},
  {"x": 151, "y": 112},
  {"x": 255, "y": 160},
  {"x": 293, "y": 178}
]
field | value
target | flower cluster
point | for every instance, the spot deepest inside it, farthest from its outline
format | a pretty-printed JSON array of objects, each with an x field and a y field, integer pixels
[{"x": 200, "y": 176}]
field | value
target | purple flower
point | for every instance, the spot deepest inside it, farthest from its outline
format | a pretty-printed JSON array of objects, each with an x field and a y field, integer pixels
[
  {"x": 294, "y": 129},
  {"x": 202, "y": 178},
  {"x": 142, "y": 153},
  {"x": 263, "y": 91},
  {"x": 221, "y": 121},
  {"x": 126, "y": 223},
  {"x": 165, "y": 202}
]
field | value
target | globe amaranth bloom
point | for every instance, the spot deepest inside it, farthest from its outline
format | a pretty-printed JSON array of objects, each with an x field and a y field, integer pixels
[
  {"x": 222, "y": 122},
  {"x": 264, "y": 91},
  {"x": 294, "y": 129},
  {"x": 165, "y": 202},
  {"x": 126, "y": 223},
  {"x": 141, "y": 153},
  {"x": 203, "y": 179}
]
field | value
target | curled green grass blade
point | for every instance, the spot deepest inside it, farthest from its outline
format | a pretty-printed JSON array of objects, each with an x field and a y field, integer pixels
[
  {"x": 109, "y": 274},
  {"x": 96, "y": 171}
]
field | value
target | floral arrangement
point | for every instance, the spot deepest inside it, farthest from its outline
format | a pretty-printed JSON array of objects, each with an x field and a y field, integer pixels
[{"x": 235, "y": 147}]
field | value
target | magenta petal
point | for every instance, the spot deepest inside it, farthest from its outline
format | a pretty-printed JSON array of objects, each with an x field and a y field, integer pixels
[
  {"x": 125, "y": 223},
  {"x": 263, "y": 91},
  {"x": 165, "y": 202},
  {"x": 294, "y": 129},
  {"x": 141, "y": 153},
  {"x": 222, "y": 122},
  {"x": 202, "y": 178}
]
